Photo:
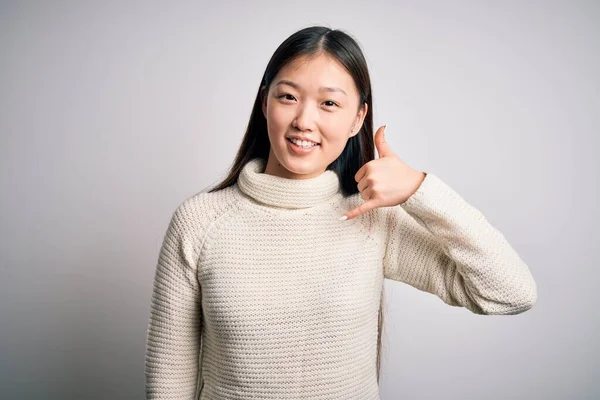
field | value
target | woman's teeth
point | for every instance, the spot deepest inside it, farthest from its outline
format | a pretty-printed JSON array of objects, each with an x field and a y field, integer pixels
[{"x": 304, "y": 144}]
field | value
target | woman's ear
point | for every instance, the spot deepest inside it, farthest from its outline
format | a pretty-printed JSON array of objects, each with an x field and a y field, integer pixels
[{"x": 360, "y": 118}]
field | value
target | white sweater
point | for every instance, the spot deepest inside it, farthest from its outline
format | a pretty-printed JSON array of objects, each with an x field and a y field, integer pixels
[{"x": 260, "y": 292}]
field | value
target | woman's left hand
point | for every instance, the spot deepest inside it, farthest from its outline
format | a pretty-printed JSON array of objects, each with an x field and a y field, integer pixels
[{"x": 386, "y": 181}]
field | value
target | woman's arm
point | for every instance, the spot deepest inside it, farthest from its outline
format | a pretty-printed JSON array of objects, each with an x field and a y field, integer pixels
[
  {"x": 173, "y": 336},
  {"x": 440, "y": 244}
]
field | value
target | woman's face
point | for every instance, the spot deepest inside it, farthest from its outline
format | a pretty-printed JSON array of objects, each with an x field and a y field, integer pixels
[{"x": 315, "y": 99}]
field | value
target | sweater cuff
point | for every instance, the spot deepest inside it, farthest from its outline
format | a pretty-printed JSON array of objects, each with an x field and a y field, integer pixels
[{"x": 432, "y": 194}]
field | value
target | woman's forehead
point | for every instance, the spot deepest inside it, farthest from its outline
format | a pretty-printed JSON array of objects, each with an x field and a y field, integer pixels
[{"x": 316, "y": 74}]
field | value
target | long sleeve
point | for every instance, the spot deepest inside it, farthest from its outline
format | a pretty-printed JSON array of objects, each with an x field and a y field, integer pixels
[
  {"x": 174, "y": 329},
  {"x": 440, "y": 244}
]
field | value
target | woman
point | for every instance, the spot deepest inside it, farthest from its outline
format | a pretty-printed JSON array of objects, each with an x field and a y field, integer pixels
[{"x": 262, "y": 292}]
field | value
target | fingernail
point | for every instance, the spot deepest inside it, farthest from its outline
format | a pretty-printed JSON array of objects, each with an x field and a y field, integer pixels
[{"x": 342, "y": 218}]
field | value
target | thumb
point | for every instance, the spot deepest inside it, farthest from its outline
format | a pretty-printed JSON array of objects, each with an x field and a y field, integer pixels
[{"x": 383, "y": 148}]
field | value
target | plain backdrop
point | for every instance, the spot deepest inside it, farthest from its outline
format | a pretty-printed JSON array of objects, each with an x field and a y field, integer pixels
[{"x": 113, "y": 112}]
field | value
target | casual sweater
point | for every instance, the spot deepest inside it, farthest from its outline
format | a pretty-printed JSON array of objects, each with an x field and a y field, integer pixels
[{"x": 261, "y": 292}]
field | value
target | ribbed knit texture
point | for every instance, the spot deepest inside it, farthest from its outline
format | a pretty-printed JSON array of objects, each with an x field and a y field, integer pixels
[{"x": 260, "y": 292}]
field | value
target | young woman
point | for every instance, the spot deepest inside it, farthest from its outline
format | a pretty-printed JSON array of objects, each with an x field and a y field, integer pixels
[{"x": 262, "y": 292}]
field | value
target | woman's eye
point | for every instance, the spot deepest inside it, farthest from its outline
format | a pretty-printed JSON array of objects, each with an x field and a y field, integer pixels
[{"x": 331, "y": 103}]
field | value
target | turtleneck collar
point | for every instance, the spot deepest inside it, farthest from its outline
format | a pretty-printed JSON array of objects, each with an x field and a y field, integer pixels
[{"x": 282, "y": 192}]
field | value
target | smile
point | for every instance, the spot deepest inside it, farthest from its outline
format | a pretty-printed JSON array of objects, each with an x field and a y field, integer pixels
[{"x": 299, "y": 149}]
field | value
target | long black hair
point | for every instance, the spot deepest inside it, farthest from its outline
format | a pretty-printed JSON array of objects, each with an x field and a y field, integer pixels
[{"x": 308, "y": 43}]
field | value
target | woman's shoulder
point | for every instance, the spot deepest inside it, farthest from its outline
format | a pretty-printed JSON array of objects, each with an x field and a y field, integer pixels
[{"x": 202, "y": 208}]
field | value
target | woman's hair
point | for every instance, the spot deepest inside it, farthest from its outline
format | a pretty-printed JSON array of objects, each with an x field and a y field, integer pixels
[{"x": 309, "y": 43}]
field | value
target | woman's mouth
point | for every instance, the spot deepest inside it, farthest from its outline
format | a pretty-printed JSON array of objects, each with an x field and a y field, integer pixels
[{"x": 299, "y": 149}]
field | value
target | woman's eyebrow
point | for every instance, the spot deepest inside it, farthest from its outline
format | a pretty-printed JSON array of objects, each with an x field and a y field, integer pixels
[{"x": 321, "y": 89}]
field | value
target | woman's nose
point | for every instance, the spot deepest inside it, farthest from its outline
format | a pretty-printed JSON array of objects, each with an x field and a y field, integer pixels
[{"x": 306, "y": 118}]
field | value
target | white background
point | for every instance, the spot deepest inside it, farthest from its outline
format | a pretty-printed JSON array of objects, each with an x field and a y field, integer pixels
[{"x": 112, "y": 113}]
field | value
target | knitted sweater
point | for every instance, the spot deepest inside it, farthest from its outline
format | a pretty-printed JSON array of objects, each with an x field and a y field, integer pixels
[{"x": 261, "y": 292}]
